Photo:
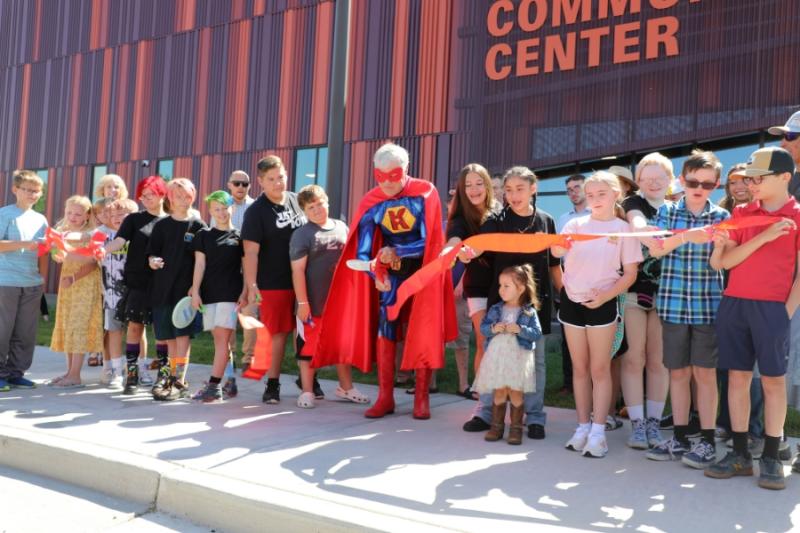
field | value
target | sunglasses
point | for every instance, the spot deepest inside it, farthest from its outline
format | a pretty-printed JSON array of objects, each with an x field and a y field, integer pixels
[
  {"x": 694, "y": 184},
  {"x": 791, "y": 136},
  {"x": 755, "y": 180},
  {"x": 240, "y": 183}
]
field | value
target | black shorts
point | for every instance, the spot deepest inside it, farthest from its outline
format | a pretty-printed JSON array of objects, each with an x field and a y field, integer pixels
[
  {"x": 579, "y": 316},
  {"x": 134, "y": 306},
  {"x": 165, "y": 330}
]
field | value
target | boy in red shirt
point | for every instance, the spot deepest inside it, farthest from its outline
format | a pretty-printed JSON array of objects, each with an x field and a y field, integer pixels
[{"x": 753, "y": 319}]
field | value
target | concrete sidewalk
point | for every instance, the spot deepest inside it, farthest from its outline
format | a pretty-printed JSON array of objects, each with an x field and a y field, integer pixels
[{"x": 246, "y": 466}]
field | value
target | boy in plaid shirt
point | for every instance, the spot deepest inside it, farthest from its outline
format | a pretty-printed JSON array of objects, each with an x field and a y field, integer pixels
[{"x": 687, "y": 301}]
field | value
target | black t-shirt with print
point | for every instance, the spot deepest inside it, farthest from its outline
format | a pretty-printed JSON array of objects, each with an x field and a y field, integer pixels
[
  {"x": 222, "y": 278},
  {"x": 649, "y": 273},
  {"x": 509, "y": 222},
  {"x": 173, "y": 241},
  {"x": 136, "y": 229},
  {"x": 271, "y": 226},
  {"x": 478, "y": 272}
]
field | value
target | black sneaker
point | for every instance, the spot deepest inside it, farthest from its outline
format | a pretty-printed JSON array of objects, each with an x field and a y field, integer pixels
[
  {"x": 272, "y": 392},
  {"x": 770, "y": 474},
  {"x": 476, "y": 424},
  {"x": 536, "y": 431},
  {"x": 731, "y": 465},
  {"x": 230, "y": 389},
  {"x": 318, "y": 393},
  {"x": 131, "y": 380}
]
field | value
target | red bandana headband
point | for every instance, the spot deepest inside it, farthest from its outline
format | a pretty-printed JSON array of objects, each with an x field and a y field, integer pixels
[{"x": 395, "y": 175}]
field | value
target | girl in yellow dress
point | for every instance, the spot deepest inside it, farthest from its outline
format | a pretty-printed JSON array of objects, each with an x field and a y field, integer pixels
[{"x": 79, "y": 309}]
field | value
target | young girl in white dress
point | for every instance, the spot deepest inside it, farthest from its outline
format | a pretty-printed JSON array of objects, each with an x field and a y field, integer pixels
[{"x": 511, "y": 328}]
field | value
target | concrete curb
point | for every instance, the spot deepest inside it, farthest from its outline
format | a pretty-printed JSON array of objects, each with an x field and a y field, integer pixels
[{"x": 224, "y": 503}]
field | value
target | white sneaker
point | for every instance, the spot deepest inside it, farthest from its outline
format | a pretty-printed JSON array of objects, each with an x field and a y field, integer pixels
[
  {"x": 116, "y": 381},
  {"x": 106, "y": 375},
  {"x": 578, "y": 440},
  {"x": 596, "y": 446},
  {"x": 144, "y": 377}
]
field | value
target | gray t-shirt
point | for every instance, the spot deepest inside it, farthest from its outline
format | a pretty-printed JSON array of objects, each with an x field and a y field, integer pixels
[{"x": 323, "y": 247}]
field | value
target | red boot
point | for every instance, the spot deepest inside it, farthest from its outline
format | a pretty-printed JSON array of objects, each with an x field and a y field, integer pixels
[
  {"x": 422, "y": 409},
  {"x": 384, "y": 405}
]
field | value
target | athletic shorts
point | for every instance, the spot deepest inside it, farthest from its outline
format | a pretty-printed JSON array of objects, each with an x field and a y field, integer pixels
[
  {"x": 277, "y": 310},
  {"x": 134, "y": 306},
  {"x": 110, "y": 322},
  {"x": 220, "y": 315},
  {"x": 753, "y": 331},
  {"x": 307, "y": 337},
  {"x": 689, "y": 344},
  {"x": 464, "y": 326},
  {"x": 579, "y": 316},
  {"x": 476, "y": 305},
  {"x": 165, "y": 330}
]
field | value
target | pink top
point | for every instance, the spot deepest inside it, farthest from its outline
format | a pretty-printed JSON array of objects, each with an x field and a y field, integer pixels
[{"x": 596, "y": 265}]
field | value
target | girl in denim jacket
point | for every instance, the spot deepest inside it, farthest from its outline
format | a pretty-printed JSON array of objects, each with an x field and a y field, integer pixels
[{"x": 511, "y": 329}]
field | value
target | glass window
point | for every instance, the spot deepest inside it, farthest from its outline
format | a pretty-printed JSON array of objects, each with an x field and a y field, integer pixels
[
  {"x": 551, "y": 195},
  {"x": 166, "y": 168},
  {"x": 311, "y": 167},
  {"x": 41, "y": 205},
  {"x": 98, "y": 171}
]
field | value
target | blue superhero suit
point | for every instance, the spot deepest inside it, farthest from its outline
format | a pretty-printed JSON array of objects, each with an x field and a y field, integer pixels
[{"x": 401, "y": 222}]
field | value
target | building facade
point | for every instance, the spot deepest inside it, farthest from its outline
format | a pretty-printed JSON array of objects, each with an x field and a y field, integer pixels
[{"x": 199, "y": 88}]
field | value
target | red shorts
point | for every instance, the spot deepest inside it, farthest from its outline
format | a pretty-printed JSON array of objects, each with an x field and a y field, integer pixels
[
  {"x": 307, "y": 337},
  {"x": 277, "y": 310}
]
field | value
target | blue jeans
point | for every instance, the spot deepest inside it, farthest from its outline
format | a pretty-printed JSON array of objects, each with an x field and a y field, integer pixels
[{"x": 534, "y": 401}]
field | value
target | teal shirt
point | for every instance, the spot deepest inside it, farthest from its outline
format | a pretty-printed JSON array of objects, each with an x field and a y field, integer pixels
[{"x": 20, "y": 268}]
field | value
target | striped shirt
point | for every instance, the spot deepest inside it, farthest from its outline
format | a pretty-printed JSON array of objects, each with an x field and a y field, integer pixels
[{"x": 690, "y": 290}]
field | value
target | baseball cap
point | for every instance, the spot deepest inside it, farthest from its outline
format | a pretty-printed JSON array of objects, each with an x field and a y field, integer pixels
[
  {"x": 769, "y": 160},
  {"x": 626, "y": 174},
  {"x": 675, "y": 187},
  {"x": 792, "y": 126}
]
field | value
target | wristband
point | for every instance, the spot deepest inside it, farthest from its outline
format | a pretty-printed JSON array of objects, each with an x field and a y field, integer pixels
[{"x": 302, "y": 303}]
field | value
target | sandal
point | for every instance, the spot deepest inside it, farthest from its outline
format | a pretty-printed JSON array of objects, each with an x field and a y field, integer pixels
[
  {"x": 53, "y": 382},
  {"x": 95, "y": 359},
  {"x": 64, "y": 384},
  {"x": 306, "y": 400},
  {"x": 352, "y": 395},
  {"x": 469, "y": 394}
]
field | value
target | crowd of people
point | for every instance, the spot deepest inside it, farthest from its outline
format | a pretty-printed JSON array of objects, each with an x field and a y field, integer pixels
[{"x": 659, "y": 292}]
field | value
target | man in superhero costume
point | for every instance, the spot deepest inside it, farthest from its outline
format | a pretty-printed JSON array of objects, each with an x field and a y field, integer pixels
[{"x": 396, "y": 230}]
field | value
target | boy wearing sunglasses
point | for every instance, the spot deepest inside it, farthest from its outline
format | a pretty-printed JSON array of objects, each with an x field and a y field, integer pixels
[
  {"x": 754, "y": 316},
  {"x": 688, "y": 296}
]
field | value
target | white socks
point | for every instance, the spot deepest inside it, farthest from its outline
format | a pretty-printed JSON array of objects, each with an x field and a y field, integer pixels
[
  {"x": 654, "y": 409},
  {"x": 117, "y": 364},
  {"x": 636, "y": 412},
  {"x": 598, "y": 429}
]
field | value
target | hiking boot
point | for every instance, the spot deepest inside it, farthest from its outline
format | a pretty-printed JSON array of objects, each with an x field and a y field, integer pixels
[
  {"x": 731, "y": 465},
  {"x": 770, "y": 474}
]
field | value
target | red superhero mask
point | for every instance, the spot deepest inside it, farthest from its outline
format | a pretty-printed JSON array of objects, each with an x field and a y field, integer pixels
[{"x": 395, "y": 175}]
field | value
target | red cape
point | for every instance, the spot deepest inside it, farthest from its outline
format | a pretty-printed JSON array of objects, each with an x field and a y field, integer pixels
[{"x": 350, "y": 321}]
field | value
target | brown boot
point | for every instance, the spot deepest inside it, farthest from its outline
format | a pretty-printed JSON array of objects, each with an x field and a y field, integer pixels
[
  {"x": 515, "y": 431},
  {"x": 498, "y": 422}
]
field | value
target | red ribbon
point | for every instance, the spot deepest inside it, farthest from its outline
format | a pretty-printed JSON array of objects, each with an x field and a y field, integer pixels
[{"x": 57, "y": 240}]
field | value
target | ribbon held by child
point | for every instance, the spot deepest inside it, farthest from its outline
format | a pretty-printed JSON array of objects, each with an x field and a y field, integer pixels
[
  {"x": 67, "y": 242},
  {"x": 532, "y": 243}
]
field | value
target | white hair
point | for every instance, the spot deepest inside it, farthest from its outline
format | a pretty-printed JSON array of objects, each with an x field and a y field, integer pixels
[{"x": 391, "y": 156}]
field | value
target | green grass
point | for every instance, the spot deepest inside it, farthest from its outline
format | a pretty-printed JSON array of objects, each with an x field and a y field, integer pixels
[{"x": 447, "y": 378}]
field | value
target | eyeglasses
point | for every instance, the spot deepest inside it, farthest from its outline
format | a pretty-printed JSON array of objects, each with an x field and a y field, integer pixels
[
  {"x": 706, "y": 185},
  {"x": 755, "y": 180},
  {"x": 240, "y": 183},
  {"x": 30, "y": 191},
  {"x": 791, "y": 136}
]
